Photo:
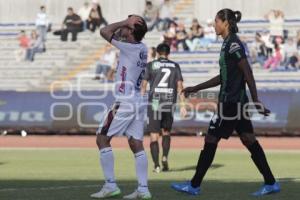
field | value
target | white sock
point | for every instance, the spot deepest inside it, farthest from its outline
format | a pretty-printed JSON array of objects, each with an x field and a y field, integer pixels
[
  {"x": 141, "y": 166},
  {"x": 107, "y": 163}
]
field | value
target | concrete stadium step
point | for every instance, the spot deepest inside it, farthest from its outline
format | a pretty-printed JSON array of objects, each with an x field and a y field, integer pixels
[
  {"x": 186, "y": 56},
  {"x": 184, "y": 9},
  {"x": 61, "y": 58},
  {"x": 40, "y": 65}
]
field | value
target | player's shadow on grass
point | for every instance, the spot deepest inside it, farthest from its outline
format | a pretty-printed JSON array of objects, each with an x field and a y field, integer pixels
[
  {"x": 289, "y": 179},
  {"x": 2, "y": 163},
  {"x": 81, "y": 189},
  {"x": 193, "y": 168}
]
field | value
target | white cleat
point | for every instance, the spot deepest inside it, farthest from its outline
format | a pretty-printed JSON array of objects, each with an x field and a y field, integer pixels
[
  {"x": 138, "y": 195},
  {"x": 156, "y": 170},
  {"x": 106, "y": 192}
]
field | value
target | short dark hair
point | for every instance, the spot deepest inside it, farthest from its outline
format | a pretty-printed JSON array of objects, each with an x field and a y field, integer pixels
[
  {"x": 163, "y": 48},
  {"x": 140, "y": 30},
  {"x": 70, "y": 9},
  {"x": 233, "y": 17},
  {"x": 42, "y": 7}
]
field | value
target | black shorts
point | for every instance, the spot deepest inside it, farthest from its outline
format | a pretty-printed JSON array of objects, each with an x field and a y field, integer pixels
[
  {"x": 159, "y": 120},
  {"x": 230, "y": 117}
]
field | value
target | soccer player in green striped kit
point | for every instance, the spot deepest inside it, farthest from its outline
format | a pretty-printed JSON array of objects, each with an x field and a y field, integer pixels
[{"x": 232, "y": 114}]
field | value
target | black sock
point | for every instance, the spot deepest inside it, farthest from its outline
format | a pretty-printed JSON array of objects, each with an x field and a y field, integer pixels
[
  {"x": 154, "y": 147},
  {"x": 259, "y": 158},
  {"x": 166, "y": 143},
  {"x": 205, "y": 160}
]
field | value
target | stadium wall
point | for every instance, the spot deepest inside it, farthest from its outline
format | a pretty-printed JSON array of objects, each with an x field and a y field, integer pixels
[
  {"x": 26, "y": 10},
  {"x": 254, "y": 9},
  {"x": 113, "y": 10},
  {"x": 84, "y": 111}
]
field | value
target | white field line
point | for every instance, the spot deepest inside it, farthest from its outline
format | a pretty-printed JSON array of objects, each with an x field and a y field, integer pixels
[
  {"x": 46, "y": 148},
  {"x": 48, "y": 188},
  {"x": 59, "y": 187},
  {"x": 66, "y": 187},
  {"x": 233, "y": 150}
]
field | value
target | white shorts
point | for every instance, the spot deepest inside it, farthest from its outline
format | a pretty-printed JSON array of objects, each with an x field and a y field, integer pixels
[{"x": 124, "y": 118}]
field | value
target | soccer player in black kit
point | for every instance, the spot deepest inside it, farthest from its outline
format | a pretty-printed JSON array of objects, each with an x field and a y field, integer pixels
[
  {"x": 235, "y": 72},
  {"x": 166, "y": 82}
]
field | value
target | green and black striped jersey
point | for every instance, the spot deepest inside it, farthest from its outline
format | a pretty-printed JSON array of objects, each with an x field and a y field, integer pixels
[{"x": 233, "y": 85}]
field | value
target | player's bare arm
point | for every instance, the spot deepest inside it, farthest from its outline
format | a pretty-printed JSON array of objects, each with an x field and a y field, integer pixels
[
  {"x": 183, "y": 111},
  {"x": 245, "y": 68},
  {"x": 202, "y": 86},
  {"x": 144, "y": 87},
  {"x": 108, "y": 31}
]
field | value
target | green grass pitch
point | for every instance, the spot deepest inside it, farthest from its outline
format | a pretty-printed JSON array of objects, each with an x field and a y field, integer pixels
[{"x": 73, "y": 174}]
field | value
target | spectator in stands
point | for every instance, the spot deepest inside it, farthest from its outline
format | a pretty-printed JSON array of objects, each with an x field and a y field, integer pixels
[
  {"x": 209, "y": 34},
  {"x": 276, "y": 19},
  {"x": 35, "y": 46},
  {"x": 193, "y": 39},
  {"x": 42, "y": 23},
  {"x": 96, "y": 18},
  {"x": 24, "y": 44},
  {"x": 197, "y": 29},
  {"x": 151, "y": 15},
  {"x": 258, "y": 50},
  {"x": 169, "y": 36},
  {"x": 192, "y": 42},
  {"x": 105, "y": 64},
  {"x": 266, "y": 38},
  {"x": 245, "y": 45},
  {"x": 110, "y": 76},
  {"x": 151, "y": 54},
  {"x": 298, "y": 47},
  {"x": 291, "y": 54},
  {"x": 181, "y": 36},
  {"x": 166, "y": 14},
  {"x": 274, "y": 61},
  {"x": 298, "y": 40},
  {"x": 71, "y": 24},
  {"x": 84, "y": 13}
]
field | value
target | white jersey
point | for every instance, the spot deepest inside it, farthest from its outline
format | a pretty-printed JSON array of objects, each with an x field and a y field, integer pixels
[{"x": 130, "y": 70}]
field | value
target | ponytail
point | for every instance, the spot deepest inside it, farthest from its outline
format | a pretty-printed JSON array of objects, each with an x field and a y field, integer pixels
[
  {"x": 238, "y": 16},
  {"x": 233, "y": 17}
]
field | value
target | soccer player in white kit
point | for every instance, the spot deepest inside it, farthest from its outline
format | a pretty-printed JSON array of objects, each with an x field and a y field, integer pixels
[{"x": 127, "y": 114}]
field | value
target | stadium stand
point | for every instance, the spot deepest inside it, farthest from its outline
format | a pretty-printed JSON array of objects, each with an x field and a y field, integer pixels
[{"x": 71, "y": 61}]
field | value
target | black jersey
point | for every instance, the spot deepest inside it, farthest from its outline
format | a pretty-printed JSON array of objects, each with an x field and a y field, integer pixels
[
  {"x": 233, "y": 85},
  {"x": 163, "y": 75}
]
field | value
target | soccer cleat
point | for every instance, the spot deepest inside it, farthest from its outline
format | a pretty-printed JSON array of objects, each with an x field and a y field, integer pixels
[
  {"x": 106, "y": 192},
  {"x": 186, "y": 187},
  {"x": 165, "y": 165},
  {"x": 267, "y": 189},
  {"x": 157, "y": 169},
  {"x": 138, "y": 195}
]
